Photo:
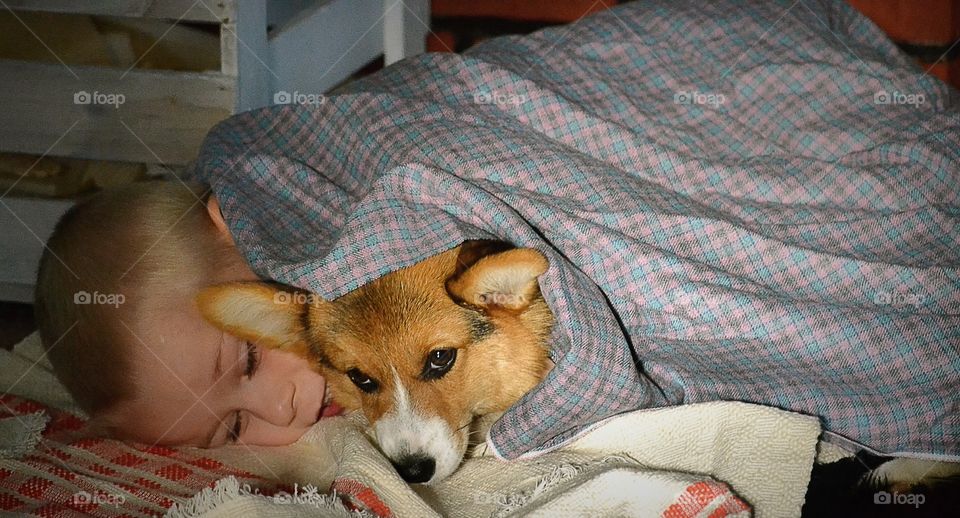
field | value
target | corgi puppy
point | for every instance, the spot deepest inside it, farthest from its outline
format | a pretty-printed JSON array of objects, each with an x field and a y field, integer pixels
[{"x": 431, "y": 353}]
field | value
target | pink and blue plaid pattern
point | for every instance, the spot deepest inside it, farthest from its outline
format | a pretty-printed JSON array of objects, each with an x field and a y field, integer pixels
[{"x": 753, "y": 202}]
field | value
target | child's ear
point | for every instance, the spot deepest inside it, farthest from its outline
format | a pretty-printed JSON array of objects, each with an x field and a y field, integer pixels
[
  {"x": 216, "y": 216},
  {"x": 260, "y": 312},
  {"x": 506, "y": 280}
]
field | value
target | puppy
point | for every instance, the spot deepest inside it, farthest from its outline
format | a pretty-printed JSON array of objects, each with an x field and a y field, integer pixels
[{"x": 425, "y": 352}]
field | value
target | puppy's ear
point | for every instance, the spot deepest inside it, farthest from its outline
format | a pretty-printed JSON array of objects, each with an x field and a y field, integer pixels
[
  {"x": 259, "y": 312},
  {"x": 473, "y": 250},
  {"x": 506, "y": 280}
]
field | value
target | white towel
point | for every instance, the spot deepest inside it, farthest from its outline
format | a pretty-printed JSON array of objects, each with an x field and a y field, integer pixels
[{"x": 763, "y": 454}]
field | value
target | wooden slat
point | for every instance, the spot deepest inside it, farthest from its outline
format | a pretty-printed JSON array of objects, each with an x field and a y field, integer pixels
[
  {"x": 214, "y": 11},
  {"x": 322, "y": 46},
  {"x": 405, "y": 27},
  {"x": 167, "y": 113},
  {"x": 248, "y": 60}
]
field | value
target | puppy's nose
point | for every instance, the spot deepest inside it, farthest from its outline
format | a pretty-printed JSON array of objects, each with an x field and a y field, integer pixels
[{"x": 415, "y": 469}]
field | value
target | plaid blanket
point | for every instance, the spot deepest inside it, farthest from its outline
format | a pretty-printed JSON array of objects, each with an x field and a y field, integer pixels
[{"x": 739, "y": 201}]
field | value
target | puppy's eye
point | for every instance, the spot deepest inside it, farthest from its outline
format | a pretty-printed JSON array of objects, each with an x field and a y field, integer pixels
[
  {"x": 362, "y": 381},
  {"x": 438, "y": 363}
]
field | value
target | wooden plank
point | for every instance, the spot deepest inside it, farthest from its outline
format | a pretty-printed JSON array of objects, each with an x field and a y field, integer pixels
[
  {"x": 25, "y": 225},
  {"x": 213, "y": 11},
  {"x": 324, "y": 45},
  {"x": 279, "y": 13},
  {"x": 99, "y": 113},
  {"x": 247, "y": 56},
  {"x": 405, "y": 27}
]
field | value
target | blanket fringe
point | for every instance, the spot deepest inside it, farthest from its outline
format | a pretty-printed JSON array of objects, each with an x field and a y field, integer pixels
[
  {"x": 557, "y": 476},
  {"x": 20, "y": 434},
  {"x": 228, "y": 489}
]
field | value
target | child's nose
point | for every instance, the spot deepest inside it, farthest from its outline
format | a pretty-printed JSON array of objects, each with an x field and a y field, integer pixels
[{"x": 273, "y": 401}]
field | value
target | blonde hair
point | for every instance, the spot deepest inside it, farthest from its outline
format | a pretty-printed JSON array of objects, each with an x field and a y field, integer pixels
[{"x": 112, "y": 261}]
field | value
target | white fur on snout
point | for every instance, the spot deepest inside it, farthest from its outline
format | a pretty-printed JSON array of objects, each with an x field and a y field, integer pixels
[{"x": 407, "y": 431}]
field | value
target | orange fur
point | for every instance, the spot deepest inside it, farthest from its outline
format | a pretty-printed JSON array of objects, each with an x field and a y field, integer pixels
[{"x": 482, "y": 301}]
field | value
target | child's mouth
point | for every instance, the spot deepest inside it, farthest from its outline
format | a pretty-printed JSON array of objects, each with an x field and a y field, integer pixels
[{"x": 329, "y": 408}]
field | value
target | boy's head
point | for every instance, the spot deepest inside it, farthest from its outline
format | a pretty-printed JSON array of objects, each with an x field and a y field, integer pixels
[
  {"x": 115, "y": 311},
  {"x": 104, "y": 258}
]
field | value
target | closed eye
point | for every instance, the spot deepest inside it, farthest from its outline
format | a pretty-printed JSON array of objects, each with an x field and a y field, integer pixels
[
  {"x": 251, "y": 362},
  {"x": 438, "y": 363},
  {"x": 237, "y": 427},
  {"x": 253, "y": 359}
]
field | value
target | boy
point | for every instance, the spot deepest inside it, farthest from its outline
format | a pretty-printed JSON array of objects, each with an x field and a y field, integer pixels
[{"x": 115, "y": 311}]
